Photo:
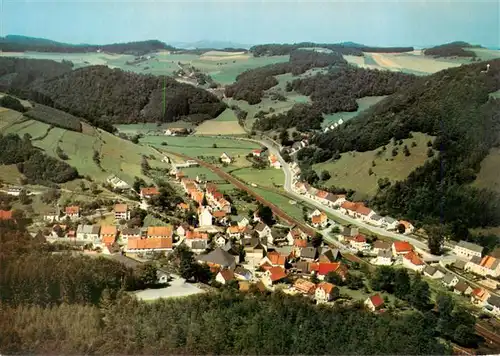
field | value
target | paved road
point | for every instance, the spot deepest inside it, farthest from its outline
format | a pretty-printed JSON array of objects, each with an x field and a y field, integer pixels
[{"x": 288, "y": 187}]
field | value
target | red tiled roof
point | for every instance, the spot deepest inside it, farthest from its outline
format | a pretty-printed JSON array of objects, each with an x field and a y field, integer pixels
[
  {"x": 403, "y": 246},
  {"x": 219, "y": 214},
  {"x": 359, "y": 238},
  {"x": 183, "y": 206},
  {"x": 487, "y": 261},
  {"x": 277, "y": 273},
  {"x": 72, "y": 210},
  {"x": 405, "y": 223},
  {"x": 257, "y": 151},
  {"x": 121, "y": 208},
  {"x": 191, "y": 235},
  {"x": 318, "y": 219},
  {"x": 160, "y": 231},
  {"x": 377, "y": 300},
  {"x": 349, "y": 205},
  {"x": 327, "y": 287},
  {"x": 363, "y": 210},
  {"x": 150, "y": 191},
  {"x": 235, "y": 229},
  {"x": 300, "y": 243},
  {"x": 149, "y": 243},
  {"x": 266, "y": 266},
  {"x": 276, "y": 258},
  {"x": 321, "y": 194},
  {"x": 414, "y": 259},
  {"x": 108, "y": 230},
  {"x": 304, "y": 286},
  {"x": 5, "y": 214}
]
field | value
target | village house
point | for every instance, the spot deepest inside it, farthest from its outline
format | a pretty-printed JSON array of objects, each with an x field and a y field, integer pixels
[
  {"x": 263, "y": 230},
  {"x": 296, "y": 234},
  {"x": 409, "y": 228},
  {"x": 224, "y": 276},
  {"x": 493, "y": 305},
  {"x": 375, "y": 302},
  {"x": 256, "y": 153},
  {"x": 127, "y": 233},
  {"x": 433, "y": 272},
  {"x": 363, "y": 213},
  {"x": 325, "y": 292},
  {"x": 218, "y": 258},
  {"x": 205, "y": 217},
  {"x": 52, "y": 216},
  {"x": 108, "y": 234},
  {"x": 319, "y": 220},
  {"x": 412, "y": 261},
  {"x": 348, "y": 208},
  {"x": 486, "y": 266},
  {"x": 234, "y": 231},
  {"x": 14, "y": 191},
  {"x": 300, "y": 187},
  {"x": 273, "y": 276},
  {"x": 163, "y": 232},
  {"x": 183, "y": 207},
  {"x": 254, "y": 250},
  {"x": 149, "y": 244},
  {"x": 379, "y": 245},
  {"x": 376, "y": 220},
  {"x": 450, "y": 280},
  {"x": 242, "y": 274},
  {"x": 304, "y": 286},
  {"x": 359, "y": 243},
  {"x": 323, "y": 268},
  {"x": 241, "y": 221},
  {"x": 479, "y": 296},
  {"x": 148, "y": 193},
  {"x": 384, "y": 258},
  {"x": 389, "y": 223},
  {"x": 329, "y": 255},
  {"x": 88, "y": 233},
  {"x": 462, "y": 288},
  {"x": 274, "y": 162},
  {"x": 122, "y": 212},
  {"x": 274, "y": 258},
  {"x": 249, "y": 232},
  {"x": 468, "y": 250},
  {"x": 220, "y": 216},
  {"x": 196, "y": 240},
  {"x": 298, "y": 244},
  {"x": 333, "y": 200},
  {"x": 220, "y": 240},
  {"x": 225, "y": 158},
  {"x": 400, "y": 248},
  {"x": 182, "y": 229},
  {"x": 179, "y": 175},
  {"x": 308, "y": 253},
  {"x": 176, "y": 131},
  {"x": 73, "y": 212}
]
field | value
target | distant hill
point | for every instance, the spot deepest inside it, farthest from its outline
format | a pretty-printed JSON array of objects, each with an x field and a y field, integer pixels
[
  {"x": 454, "y": 106},
  {"x": 452, "y": 49},
  {"x": 217, "y": 45},
  {"x": 106, "y": 96},
  {"x": 16, "y": 43},
  {"x": 346, "y": 48}
]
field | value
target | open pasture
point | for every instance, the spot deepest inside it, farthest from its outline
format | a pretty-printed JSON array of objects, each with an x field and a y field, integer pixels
[
  {"x": 262, "y": 177},
  {"x": 225, "y": 124},
  {"x": 351, "y": 171},
  {"x": 488, "y": 174},
  {"x": 363, "y": 104}
]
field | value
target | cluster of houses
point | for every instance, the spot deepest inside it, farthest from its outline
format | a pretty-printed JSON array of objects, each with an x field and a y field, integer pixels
[
  {"x": 70, "y": 212},
  {"x": 356, "y": 210}
]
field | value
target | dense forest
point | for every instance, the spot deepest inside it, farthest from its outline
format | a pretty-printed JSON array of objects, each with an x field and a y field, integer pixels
[
  {"x": 105, "y": 96},
  {"x": 276, "y": 49},
  {"x": 454, "y": 105},
  {"x": 251, "y": 84},
  {"x": 34, "y": 164},
  {"x": 333, "y": 92},
  {"x": 453, "y": 49},
  {"x": 14, "y": 43}
]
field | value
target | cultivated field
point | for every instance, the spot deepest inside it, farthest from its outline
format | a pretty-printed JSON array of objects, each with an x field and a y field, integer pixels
[
  {"x": 201, "y": 146},
  {"x": 283, "y": 202},
  {"x": 351, "y": 170},
  {"x": 363, "y": 104},
  {"x": 225, "y": 124},
  {"x": 262, "y": 177}
]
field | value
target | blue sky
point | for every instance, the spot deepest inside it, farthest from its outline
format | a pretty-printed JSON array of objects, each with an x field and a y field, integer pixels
[{"x": 383, "y": 23}]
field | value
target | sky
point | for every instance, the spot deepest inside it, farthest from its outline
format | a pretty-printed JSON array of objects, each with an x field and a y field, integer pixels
[{"x": 378, "y": 23}]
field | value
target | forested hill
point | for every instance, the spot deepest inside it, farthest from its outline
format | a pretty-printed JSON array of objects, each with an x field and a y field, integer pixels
[
  {"x": 13, "y": 43},
  {"x": 347, "y": 48},
  {"x": 103, "y": 95},
  {"x": 454, "y": 106},
  {"x": 452, "y": 49}
]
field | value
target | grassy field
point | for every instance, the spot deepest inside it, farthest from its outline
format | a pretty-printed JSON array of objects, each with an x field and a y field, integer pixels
[
  {"x": 192, "y": 172},
  {"x": 363, "y": 104},
  {"x": 488, "y": 174},
  {"x": 294, "y": 210},
  {"x": 263, "y": 177},
  {"x": 197, "y": 146},
  {"x": 151, "y": 128},
  {"x": 351, "y": 170},
  {"x": 119, "y": 157},
  {"x": 225, "y": 124}
]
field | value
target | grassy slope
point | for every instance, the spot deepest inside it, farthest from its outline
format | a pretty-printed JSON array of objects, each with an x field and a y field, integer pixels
[
  {"x": 351, "y": 170},
  {"x": 119, "y": 157},
  {"x": 488, "y": 174},
  {"x": 363, "y": 103},
  {"x": 224, "y": 124}
]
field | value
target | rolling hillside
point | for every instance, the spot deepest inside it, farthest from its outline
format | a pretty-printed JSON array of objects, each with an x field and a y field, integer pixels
[
  {"x": 117, "y": 156},
  {"x": 453, "y": 105}
]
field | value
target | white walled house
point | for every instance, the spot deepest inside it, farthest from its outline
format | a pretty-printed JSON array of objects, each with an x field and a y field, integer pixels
[
  {"x": 225, "y": 158},
  {"x": 486, "y": 266},
  {"x": 326, "y": 292},
  {"x": 468, "y": 250},
  {"x": 88, "y": 233},
  {"x": 122, "y": 212},
  {"x": 205, "y": 217}
]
